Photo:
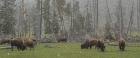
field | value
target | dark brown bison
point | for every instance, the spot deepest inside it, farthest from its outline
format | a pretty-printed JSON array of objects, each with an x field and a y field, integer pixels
[
  {"x": 20, "y": 43},
  {"x": 14, "y": 43},
  {"x": 88, "y": 44},
  {"x": 100, "y": 45},
  {"x": 122, "y": 44},
  {"x": 62, "y": 40},
  {"x": 85, "y": 45},
  {"x": 93, "y": 43}
]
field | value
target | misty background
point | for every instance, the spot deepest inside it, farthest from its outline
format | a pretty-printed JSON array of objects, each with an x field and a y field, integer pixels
[{"x": 70, "y": 17}]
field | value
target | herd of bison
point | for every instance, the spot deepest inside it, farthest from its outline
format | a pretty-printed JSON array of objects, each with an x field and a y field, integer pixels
[
  {"x": 24, "y": 43},
  {"x": 19, "y": 43},
  {"x": 99, "y": 44}
]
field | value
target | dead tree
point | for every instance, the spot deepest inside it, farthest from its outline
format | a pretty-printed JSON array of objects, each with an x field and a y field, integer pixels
[
  {"x": 131, "y": 20},
  {"x": 138, "y": 15},
  {"x": 41, "y": 17},
  {"x": 119, "y": 23}
]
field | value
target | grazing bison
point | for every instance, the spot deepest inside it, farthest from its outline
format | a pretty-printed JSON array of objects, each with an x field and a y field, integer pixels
[
  {"x": 25, "y": 43},
  {"x": 18, "y": 43},
  {"x": 88, "y": 44},
  {"x": 100, "y": 45},
  {"x": 14, "y": 43},
  {"x": 62, "y": 40},
  {"x": 30, "y": 42},
  {"x": 93, "y": 43},
  {"x": 122, "y": 44},
  {"x": 85, "y": 45}
]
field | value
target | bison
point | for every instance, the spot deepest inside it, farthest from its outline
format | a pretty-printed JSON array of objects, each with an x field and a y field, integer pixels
[
  {"x": 14, "y": 43},
  {"x": 25, "y": 43},
  {"x": 88, "y": 44},
  {"x": 100, "y": 45},
  {"x": 93, "y": 43},
  {"x": 62, "y": 40},
  {"x": 122, "y": 44},
  {"x": 28, "y": 42},
  {"x": 20, "y": 43},
  {"x": 85, "y": 45}
]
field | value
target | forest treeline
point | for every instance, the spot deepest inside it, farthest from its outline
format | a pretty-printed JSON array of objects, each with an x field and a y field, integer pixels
[{"x": 68, "y": 18}]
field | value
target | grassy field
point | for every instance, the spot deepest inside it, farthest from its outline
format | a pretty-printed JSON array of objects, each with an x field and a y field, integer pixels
[{"x": 70, "y": 50}]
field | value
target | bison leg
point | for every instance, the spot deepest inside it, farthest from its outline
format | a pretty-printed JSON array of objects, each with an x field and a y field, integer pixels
[
  {"x": 103, "y": 48},
  {"x": 97, "y": 46},
  {"x": 18, "y": 48},
  {"x": 90, "y": 46},
  {"x": 12, "y": 48},
  {"x": 120, "y": 47},
  {"x": 123, "y": 47},
  {"x": 23, "y": 48}
]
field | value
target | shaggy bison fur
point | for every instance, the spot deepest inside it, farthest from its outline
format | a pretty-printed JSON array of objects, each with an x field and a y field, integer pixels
[
  {"x": 122, "y": 44},
  {"x": 97, "y": 43},
  {"x": 19, "y": 43},
  {"x": 100, "y": 45},
  {"x": 30, "y": 43},
  {"x": 85, "y": 45},
  {"x": 88, "y": 44}
]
